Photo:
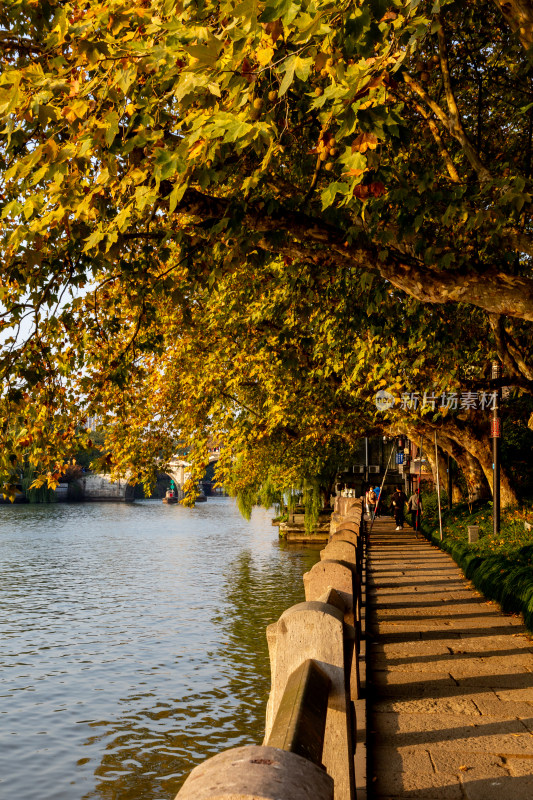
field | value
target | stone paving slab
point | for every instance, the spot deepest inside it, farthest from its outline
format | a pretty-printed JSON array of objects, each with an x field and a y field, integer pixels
[{"x": 450, "y": 680}]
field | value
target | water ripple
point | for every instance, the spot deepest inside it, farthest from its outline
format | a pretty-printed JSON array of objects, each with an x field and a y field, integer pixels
[{"x": 132, "y": 642}]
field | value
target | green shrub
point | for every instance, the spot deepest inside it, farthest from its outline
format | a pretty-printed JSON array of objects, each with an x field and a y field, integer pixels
[{"x": 499, "y": 565}]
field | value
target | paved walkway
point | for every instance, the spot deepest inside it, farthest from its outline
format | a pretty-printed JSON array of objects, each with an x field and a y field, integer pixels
[{"x": 451, "y": 680}]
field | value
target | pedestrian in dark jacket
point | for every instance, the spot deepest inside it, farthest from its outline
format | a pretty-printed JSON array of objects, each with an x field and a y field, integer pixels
[{"x": 398, "y": 500}]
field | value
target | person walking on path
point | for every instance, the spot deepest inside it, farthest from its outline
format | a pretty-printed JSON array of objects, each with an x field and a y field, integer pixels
[
  {"x": 398, "y": 501},
  {"x": 381, "y": 505},
  {"x": 414, "y": 506},
  {"x": 377, "y": 490},
  {"x": 371, "y": 500}
]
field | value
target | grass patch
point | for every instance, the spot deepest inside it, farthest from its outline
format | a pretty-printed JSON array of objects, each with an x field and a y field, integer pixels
[{"x": 500, "y": 566}]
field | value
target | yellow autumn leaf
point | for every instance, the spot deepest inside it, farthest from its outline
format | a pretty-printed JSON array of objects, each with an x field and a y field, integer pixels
[
  {"x": 264, "y": 56},
  {"x": 195, "y": 149},
  {"x": 364, "y": 142}
]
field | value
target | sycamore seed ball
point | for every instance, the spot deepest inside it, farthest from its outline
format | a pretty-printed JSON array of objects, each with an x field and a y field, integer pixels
[
  {"x": 272, "y": 96},
  {"x": 328, "y": 167},
  {"x": 258, "y": 103}
]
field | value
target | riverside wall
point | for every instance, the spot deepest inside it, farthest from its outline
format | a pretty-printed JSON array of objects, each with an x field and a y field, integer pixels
[
  {"x": 97, "y": 487},
  {"x": 315, "y": 729}
]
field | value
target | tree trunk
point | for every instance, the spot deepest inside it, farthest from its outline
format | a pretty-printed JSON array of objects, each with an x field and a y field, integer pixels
[
  {"x": 475, "y": 480},
  {"x": 457, "y": 495},
  {"x": 472, "y": 449},
  {"x": 478, "y": 486},
  {"x": 519, "y": 15},
  {"x": 484, "y": 456},
  {"x": 326, "y": 496},
  {"x": 476, "y": 483},
  {"x": 478, "y": 447}
]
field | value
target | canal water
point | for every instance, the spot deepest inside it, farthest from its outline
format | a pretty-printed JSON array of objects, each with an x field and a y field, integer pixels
[{"x": 132, "y": 642}]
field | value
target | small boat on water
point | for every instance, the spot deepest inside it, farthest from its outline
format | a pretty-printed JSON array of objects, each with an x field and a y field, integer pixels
[{"x": 170, "y": 498}]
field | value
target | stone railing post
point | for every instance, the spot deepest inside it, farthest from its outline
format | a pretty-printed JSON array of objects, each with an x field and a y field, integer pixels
[
  {"x": 257, "y": 773},
  {"x": 316, "y": 630}
]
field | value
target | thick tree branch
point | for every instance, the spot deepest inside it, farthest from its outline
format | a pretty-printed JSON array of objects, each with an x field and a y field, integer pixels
[
  {"x": 310, "y": 239},
  {"x": 456, "y": 123},
  {"x": 452, "y": 120},
  {"x": 450, "y": 166},
  {"x": 421, "y": 92},
  {"x": 520, "y": 361},
  {"x": 491, "y": 290},
  {"x": 519, "y": 15},
  {"x": 512, "y": 358},
  {"x": 517, "y": 241},
  {"x": 8, "y": 43},
  {"x": 508, "y": 351}
]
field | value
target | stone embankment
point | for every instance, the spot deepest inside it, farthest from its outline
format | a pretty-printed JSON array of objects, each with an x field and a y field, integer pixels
[
  {"x": 90, "y": 487},
  {"x": 314, "y": 744},
  {"x": 294, "y": 529},
  {"x": 101, "y": 488}
]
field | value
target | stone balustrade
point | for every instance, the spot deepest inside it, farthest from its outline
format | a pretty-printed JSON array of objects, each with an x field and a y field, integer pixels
[{"x": 314, "y": 735}]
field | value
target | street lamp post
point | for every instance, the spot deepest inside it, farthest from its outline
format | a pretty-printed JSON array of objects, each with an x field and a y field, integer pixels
[
  {"x": 496, "y": 434},
  {"x": 449, "y": 471}
]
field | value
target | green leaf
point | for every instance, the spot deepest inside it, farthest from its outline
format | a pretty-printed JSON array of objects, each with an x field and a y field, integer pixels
[
  {"x": 288, "y": 77},
  {"x": 176, "y": 196},
  {"x": 274, "y": 10},
  {"x": 165, "y": 163},
  {"x": 302, "y": 67},
  {"x": 331, "y": 191},
  {"x": 126, "y": 77},
  {"x": 206, "y": 54},
  {"x": 94, "y": 239},
  {"x": 111, "y": 119}
]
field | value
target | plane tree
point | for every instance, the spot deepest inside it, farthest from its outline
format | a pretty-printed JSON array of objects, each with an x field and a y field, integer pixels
[
  {"x": 284, "y": 369},
  {"x": 152, "y": 151}
]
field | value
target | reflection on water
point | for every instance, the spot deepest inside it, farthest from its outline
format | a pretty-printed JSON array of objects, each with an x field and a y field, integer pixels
[{"x": 132, "y": 642}]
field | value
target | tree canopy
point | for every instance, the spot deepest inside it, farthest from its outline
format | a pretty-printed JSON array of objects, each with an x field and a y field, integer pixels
[{"x": 241, "y": 219}]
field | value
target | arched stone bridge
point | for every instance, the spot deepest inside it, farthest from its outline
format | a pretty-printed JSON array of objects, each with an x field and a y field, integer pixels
[
  {"x": 100, "y": 487},
  {"x": 178, "y": 469}
]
